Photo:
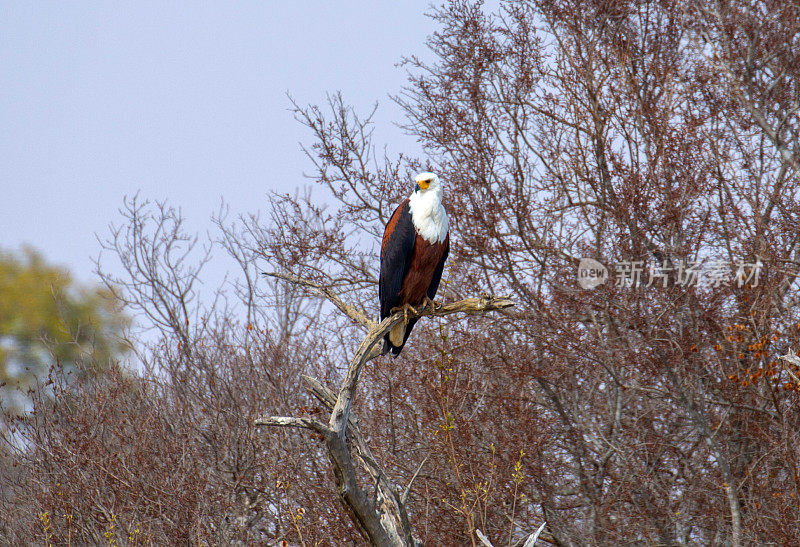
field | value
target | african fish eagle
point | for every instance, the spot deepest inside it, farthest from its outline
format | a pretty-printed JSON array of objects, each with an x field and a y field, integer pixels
[{"x": 415, "y": 245}]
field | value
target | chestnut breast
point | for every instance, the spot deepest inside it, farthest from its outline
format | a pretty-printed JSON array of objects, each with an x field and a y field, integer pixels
[{"x": 424, "y": 260}]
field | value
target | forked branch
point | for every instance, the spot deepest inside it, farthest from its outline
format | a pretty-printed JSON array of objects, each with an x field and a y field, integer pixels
[{"x": 382, "y": 519}]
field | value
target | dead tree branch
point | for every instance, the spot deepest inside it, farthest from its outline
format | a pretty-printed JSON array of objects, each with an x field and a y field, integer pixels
[
  {"x": 384, "y": 519},
  {"x": 353, "y": 313}
]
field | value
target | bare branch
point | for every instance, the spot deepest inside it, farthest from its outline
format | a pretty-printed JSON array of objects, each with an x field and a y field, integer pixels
[
  {"x": 353, "y": 313},
  {"x": 289, "y": 421},
  {"x": 384, "y": 520},
  {"x": 792, "y": 358}
]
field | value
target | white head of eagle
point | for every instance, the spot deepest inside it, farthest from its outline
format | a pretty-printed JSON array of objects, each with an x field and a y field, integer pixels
[
  {"x": 427, "y": 211},
  {"x": 415, "y": 245}
]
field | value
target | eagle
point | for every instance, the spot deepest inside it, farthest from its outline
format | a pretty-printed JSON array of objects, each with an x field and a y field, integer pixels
[{"x": 415, "y": 245}]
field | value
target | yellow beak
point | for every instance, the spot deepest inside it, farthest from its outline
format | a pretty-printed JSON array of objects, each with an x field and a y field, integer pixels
[{"x": 424, "y": 184}]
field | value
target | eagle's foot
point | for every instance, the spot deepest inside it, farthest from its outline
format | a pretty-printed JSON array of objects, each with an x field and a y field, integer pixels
[
  {"x": 405, "y": 308},
  {"x": 428, "y": 304}
]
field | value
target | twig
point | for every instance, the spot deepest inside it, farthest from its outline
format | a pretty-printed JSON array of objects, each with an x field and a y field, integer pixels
[{"x": 404, "y": 497}]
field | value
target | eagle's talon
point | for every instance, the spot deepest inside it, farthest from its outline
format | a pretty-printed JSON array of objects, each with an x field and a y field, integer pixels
[
  {"x": 412, "y": 309},
  {"x": 406, "y": 309}
]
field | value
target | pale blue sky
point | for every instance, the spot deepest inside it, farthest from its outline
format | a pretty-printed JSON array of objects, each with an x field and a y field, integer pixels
[{"x": 184, "y": 101}]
